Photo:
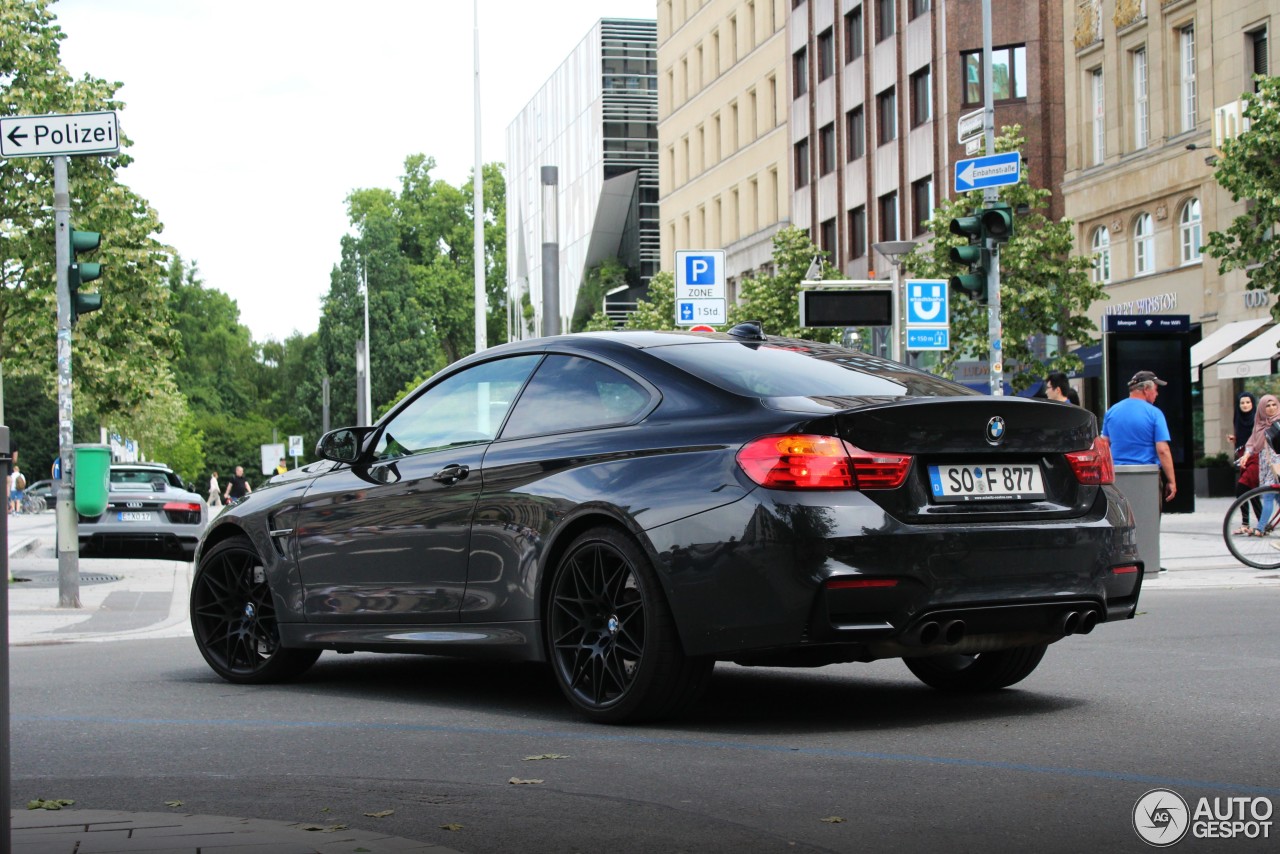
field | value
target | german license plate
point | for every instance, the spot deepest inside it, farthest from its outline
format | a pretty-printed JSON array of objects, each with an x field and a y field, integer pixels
[
  {"x": 1005, "y": 482},
  {"x": 126, "y": 516}
]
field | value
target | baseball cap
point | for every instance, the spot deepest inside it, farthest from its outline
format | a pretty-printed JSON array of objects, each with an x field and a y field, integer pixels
[{"x": 1145, "y": 377}]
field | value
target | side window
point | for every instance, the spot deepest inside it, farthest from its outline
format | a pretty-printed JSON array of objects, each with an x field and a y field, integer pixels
[
  {"x": 572, "y": 393},
  {"x": 467, "y": 407}
]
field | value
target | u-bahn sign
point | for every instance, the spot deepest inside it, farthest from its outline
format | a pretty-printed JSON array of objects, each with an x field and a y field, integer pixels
[{"x": 47, "y": 136}]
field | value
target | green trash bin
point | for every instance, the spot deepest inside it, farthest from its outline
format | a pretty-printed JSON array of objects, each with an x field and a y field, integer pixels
[{"x": 92, "y": 478}]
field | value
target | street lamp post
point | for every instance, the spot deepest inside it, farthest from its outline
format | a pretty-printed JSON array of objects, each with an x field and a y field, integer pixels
[{"x": 893, "y": 250}]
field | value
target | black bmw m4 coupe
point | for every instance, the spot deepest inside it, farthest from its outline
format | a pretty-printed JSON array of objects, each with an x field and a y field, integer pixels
[{"x": 631, "y": 507}]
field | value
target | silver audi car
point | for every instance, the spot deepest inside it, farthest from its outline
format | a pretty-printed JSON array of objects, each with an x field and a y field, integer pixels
[{"x": 150, "y": 514}]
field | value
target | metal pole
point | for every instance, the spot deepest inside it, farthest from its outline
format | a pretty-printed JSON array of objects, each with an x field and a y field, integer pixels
[
  {"x": 5, "y": 795},
  {"x": 68, "y": 537},
  {"x": 995, "y": 356},
  {"x": 898, "y": 325},
  {"x": 477, "y": 206},
  {"x": 550, "y": 253},
  {"x": 324, "y": 405},
  {"x": 368, "y": 359}
]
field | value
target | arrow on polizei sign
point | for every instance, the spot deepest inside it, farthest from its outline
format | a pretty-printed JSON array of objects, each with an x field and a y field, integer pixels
[
  {"x": 994, "y": 170},
  {"x": 46, "y": 136}
]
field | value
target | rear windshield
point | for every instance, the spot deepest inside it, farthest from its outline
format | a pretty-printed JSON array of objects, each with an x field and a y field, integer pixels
[
  {"x": 154, "y": 479},
  {"x": 778, "y": 371}
]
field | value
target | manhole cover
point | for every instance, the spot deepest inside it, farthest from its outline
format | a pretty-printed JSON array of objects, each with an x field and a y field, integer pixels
[{"x": 50, "y": 579}]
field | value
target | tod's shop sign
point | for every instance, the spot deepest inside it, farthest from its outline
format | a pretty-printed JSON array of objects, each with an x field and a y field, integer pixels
[{"x": 1256, "y": 299}]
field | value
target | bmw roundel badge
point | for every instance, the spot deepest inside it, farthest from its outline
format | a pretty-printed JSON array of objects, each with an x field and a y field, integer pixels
[{"x": 995, "y": 430}]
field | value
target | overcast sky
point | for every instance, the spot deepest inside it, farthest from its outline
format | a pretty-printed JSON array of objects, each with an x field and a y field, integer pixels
[{"x": 252, "y": 120}]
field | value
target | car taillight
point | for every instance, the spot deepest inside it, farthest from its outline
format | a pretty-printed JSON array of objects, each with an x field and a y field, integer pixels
[
  {"x": 860, "y": 583},
  {"x": 1093, "y": 467},
  {"x": 804, "y": 461},
  {"x": 182, "y": 507}
]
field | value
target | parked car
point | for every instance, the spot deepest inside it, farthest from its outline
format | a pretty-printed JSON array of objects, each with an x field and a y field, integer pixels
[
  {"x": 635, "y": 506},
  {"x": 149, "y": 514},
  {"x": 46, "y": 489}
]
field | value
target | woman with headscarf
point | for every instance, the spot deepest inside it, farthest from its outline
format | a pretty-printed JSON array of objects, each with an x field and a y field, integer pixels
[
  {"x": 1246, "y": 409},
  {"x": 1260, "y": 449}
]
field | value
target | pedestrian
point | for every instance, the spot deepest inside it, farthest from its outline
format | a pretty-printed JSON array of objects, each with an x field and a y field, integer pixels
[
  {"x": 1259, "y": 449},
  {"x": 1242, "y": 424},
  {"x": 282, "y": 467},
  {"x": 1057, "y": 387},
  {"x": 17, "y": 483},
  {"x": 238, "y": 487},
  {"x": 1138, "y": 431},
  {"x": 215, "y": 492}
]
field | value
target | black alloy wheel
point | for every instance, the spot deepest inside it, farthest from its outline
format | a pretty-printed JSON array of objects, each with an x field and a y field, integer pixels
[
  {"x": 234, "y": 618},
  {"x": 984, "y": 671},
  {"x": 613, "y": 643}
]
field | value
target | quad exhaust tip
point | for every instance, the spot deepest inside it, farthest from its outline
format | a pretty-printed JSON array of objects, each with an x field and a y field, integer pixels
[
  {"x": 932, "y": 632},
  {"x": 1077, "y": 622}
]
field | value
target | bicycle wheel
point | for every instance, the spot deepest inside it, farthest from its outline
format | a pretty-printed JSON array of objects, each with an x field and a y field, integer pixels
[
  {"x": 1260, "y": 552},
  {"x": 34, "y": 504}
]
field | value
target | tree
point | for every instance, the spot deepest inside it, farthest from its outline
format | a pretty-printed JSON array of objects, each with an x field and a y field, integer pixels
[
  {"x": 1044, "y": 289},
  {"x": 775, "y": 300},
  {"x": 121, "y": 353},
  {"x": 1249, "y": 168}
]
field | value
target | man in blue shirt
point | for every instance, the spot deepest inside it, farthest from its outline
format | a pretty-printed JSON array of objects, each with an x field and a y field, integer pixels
[{"x": 1137, "y": 429}]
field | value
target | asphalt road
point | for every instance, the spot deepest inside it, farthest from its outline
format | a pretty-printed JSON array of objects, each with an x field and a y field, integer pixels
[{"x": 1186, "y": 697}]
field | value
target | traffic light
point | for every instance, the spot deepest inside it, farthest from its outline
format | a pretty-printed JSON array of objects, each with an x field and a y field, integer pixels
[
  {"x": 975, "y": 256},
  {"x": 83, "y": 271},
  {"x": 997, "y": 222}
]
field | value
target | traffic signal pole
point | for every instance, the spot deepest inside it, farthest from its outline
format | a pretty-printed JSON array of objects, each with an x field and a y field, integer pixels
[
  {"x": 68, "y": 537},
  {"x": 990, "y": 195}
]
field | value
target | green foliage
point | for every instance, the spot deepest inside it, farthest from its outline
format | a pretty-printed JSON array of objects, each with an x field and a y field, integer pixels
[
  {"x": 658, "y": 310},
  {"x": 1044, "y": 289},
  {"x": 775, "y": 300},
  {"x": 184, "y": 452},
  {"x": 118, "y": 351},
  {"x": 598, "y": 281},
  {"x": 1249, "y": 168}
]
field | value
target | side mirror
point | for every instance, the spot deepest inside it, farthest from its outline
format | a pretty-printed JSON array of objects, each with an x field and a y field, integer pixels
[{"x": 344, "y": 445}]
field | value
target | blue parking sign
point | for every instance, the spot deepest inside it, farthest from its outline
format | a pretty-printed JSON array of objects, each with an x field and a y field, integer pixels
[{"x": 700, "y": 269}]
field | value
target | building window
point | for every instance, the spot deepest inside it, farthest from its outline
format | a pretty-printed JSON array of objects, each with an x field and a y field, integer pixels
[
  {"x": 1141, "y": 109},
  {"x": 1101, "y": 245},
  {"x": 856, "y": 133},
  {"x": 827, "y": 239},
  {"x": 886, "y": 116},
  {"x": 853, "y": 34},
  {"x": 919, "y": 7},
  {"x": 1098, "y": 119},
  {"x": 826, "y": 54},
  {"x": 921, "y": 205},
  {"x": 889, "y": 217},
  {"x": 1257, "y": 50},
  {"x": 1008, "y": 74},
  {"x": 921, "y": 97},
  {"x": 858, "y": 232},
  {"x": 827, "y": 149},
  {"x": 1189, "y": 230},
  {"x": 800, "y": 73},
  {"x": 1144, "y": 251},
  {"x": 802, "y": 163},
  {"x": 1187, "y": 67},
  {"x": 886, "y": 19}
]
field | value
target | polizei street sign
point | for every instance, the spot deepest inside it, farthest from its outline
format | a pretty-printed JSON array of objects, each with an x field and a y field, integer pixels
[{"x": 45, "y": 136}]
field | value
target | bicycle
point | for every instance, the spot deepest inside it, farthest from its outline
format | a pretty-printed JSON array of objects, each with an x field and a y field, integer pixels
[
  {"x": 32, "y": 504},
  {"x": 1261, "y": 551}
]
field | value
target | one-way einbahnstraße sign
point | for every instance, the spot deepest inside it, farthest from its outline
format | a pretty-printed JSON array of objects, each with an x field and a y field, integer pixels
[
  {"x": 993, "y": 170},
  {"x": 47, "y": 136}
]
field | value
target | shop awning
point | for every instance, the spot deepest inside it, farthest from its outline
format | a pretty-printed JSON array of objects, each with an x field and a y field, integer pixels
[
  {"x": 1253, "y": 359},
  {"x": 1218, "y": 342},
  {"x": 1091, "y": 355}
]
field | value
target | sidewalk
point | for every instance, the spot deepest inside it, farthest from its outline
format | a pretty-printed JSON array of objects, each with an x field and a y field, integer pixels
[{"x": 128, "y": 599}]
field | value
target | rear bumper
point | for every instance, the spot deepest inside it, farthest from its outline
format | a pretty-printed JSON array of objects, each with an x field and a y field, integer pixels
[
  {"x": 770, "y": 590},
  {"x": 137, "y": 544}
]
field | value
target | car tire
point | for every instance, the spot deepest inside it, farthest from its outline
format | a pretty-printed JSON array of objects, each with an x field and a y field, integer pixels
[
  {"x": 985, "y": 671},
  {"x": 611, "y": 638},
  {"x": 233, "y": 616}
]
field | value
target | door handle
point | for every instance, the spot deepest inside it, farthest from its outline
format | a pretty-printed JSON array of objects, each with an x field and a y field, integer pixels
[{"x": 450, "y": 475}]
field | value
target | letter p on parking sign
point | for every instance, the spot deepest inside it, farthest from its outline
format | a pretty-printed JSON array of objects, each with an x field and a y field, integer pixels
[{"x": 700, "y": 269}]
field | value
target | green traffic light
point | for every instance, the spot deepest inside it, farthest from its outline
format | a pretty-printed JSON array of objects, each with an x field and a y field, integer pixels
[
  {"x": 997, "y": 222},
  {"x": 967, "y": 226},
  {"x": 975, "y": 284},
  {"x": 85, "y": 241},
  {"x": 971, "y": 255},
  {"x": 79, "y": 272}
]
